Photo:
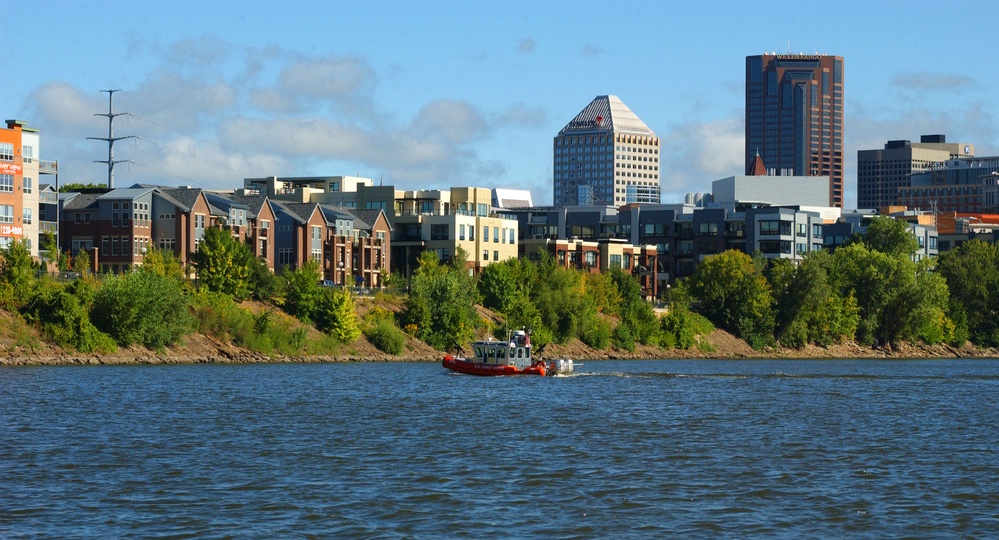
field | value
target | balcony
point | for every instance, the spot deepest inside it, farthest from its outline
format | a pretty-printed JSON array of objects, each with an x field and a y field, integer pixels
[{"x": 48, "y": 167}]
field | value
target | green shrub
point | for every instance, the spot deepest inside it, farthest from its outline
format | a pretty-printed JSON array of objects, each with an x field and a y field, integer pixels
[
  {"x": 141, "y": 307},
  {"x": 596, "y": 333},
  {"x": 387, "y": 337},
  {"x": 623, "y": 338},
  {"x": 64, "y": 320}
]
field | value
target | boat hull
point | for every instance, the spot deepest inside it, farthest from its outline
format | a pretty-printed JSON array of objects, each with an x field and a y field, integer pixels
[{"x": 475, "y": 368}]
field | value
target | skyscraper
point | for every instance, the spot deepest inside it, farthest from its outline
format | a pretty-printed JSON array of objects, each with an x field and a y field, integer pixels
[
  {"x": 794, "y": 116},
  {"x": 606, "y": 155},
  {"x": 880, "y": 173}
]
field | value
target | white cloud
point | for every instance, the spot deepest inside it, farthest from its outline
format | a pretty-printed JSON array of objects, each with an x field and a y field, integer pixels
[{"x": 695, "y": 154}]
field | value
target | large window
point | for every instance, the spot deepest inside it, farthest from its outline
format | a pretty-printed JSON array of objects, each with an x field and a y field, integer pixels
[
  {"x": 26, "y": 216},
  {"x": 775, "y": 227},
  {"x": 440, "y": 231},
  {"x": 27, "y": 183},
  {"x": 6, "y": 151},
  {"x": 6, "y": 213},
  {"x": 6, "y": 183}
]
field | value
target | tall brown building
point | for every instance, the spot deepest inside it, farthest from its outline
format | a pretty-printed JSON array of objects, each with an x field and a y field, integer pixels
[{"x": 794, "y": 116}]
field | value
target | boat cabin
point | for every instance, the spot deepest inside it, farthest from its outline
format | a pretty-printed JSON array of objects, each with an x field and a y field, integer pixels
[{"x": 515, "y": 352}]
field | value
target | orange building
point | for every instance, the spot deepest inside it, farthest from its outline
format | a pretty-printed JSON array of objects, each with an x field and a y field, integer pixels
[{"x": 11, "y": 180}]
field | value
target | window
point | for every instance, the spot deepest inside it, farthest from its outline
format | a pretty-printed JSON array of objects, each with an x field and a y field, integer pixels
[
  {"x": 199, "y": 221},
  {"x": 511, "y": 237},
  {"x": 114, "y": 219},
  {"x": 615, "y": 261},
  {"x": 495, "y": 234},
  {"x": 6, "y": 183},
  {"x": 485, "y": 254},
  {"x": 6, "y": 151},
  {"x": 284, "y": 256},
  {"x": 6, "y": 213},
  {"x": 471, "y": 232},
  {"x": 27, "y": 184},
  {"x": 495, "y": 255},
  {"x": 708, "y": 229},
  {"x": 461, "y": 232},
  {"x": 440, "y": 231},
  {"x": 26, "y": 216},
  {"x": 590, "y": 258}
]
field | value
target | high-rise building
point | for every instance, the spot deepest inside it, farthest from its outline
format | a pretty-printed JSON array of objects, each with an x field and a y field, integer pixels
[
  {"x": 880, "y": 173},
  {"x": 606, "y": 155},
  {"x": 794, "y": 116}
]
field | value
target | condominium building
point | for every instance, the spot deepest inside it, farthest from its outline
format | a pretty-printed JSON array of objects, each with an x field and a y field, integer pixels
[
  {"x": 19, "y": 190},
  {"x": 794, "y": 116},
  {"x": 606, "y": 155},
  {"x": 881, "y": 172}
]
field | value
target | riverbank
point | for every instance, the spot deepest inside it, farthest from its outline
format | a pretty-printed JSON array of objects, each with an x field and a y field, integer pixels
[{"x": 201, "y": 349}]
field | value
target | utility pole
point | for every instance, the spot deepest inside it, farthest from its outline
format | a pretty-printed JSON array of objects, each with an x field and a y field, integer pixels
[{"x": 110, "y": 138}]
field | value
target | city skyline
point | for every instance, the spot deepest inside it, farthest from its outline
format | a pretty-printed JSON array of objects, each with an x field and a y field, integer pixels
[{"x": 447, "y": 93}]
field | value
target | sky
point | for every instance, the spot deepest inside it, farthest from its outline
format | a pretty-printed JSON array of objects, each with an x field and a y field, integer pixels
[{"x": 433, "y": 94}]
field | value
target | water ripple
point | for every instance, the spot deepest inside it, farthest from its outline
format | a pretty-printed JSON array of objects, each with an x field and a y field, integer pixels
[{"x": 781, "y": 449}]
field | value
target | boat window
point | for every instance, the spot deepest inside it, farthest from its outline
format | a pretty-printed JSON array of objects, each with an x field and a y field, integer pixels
[
  {"x": 502, "y": 353},
  {"x": 520, "y": 353}
]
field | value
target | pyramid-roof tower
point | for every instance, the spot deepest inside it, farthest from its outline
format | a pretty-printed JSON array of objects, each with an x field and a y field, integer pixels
[{"x": 607, "y": 114}]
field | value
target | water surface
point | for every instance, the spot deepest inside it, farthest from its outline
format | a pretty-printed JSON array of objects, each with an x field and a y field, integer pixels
[{"x": 748, "y": 448}]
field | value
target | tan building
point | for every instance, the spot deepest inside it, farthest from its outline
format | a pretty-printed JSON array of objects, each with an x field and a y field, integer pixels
[
  {"x": 880, "y": 173},
  {"x": 444, "y": 220}
]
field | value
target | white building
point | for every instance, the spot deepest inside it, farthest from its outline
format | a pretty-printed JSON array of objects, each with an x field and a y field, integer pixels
[{"x": 606, "y": 155}]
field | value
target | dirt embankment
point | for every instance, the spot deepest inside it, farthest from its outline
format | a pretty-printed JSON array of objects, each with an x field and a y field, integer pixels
[{"x": 22, "y": 345}]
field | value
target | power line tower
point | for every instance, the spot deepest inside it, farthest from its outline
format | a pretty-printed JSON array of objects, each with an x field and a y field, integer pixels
[{"x": 110, "y": 139}]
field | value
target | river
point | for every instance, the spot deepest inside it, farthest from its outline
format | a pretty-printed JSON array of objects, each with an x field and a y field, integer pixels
[{"x": 623, "y": 449}]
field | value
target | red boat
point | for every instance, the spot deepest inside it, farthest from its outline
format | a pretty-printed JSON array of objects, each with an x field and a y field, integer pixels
[{"x": 511, "y": 357}]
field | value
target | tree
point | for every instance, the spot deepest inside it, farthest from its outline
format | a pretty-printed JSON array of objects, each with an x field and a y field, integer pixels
[
  {"x": 441, "y": 303},
  {"x": 50, "y": 248},
  {"x": 223, "y": 263},
  {"x": 895, "y": 296},
  {"x": 162, "y": 263},
  {"x": 302, "y": 292},
  {"x": 807, "y": 307},
  {"x": 81, "y": 263},
  {"x": 336, "y": 316},
  {"x": 17, "y": 275},
  {"x": 637, "y": 316},
  {"x": 890, "y": 236},
  {"x": 79, "y": 186},
  {"x": 735, "y": 295},
  {"x": 263, "y": 283},
  {"x": 972, "y": 274}
]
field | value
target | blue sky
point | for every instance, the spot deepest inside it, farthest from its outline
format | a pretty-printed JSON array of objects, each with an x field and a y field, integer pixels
[{"x": 425, "y": 94}]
